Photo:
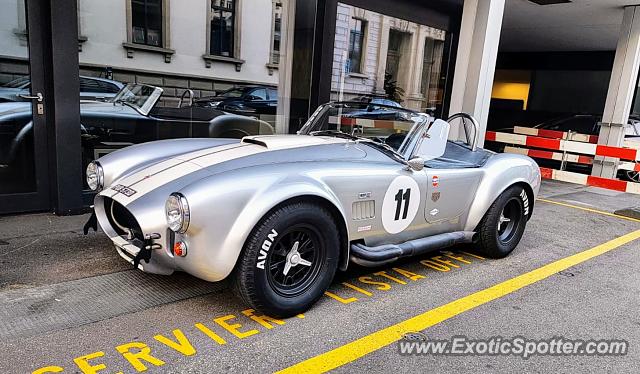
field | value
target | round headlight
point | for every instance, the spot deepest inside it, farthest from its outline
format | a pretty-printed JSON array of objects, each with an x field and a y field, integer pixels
[
  {"x": 95, "y": 176},
  {"x": 177, "y": 212}
]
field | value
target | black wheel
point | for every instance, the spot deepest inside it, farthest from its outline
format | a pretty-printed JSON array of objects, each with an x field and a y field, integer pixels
[
  {"x": 502, "y": 227},
  {"x": 289, "y": 260},
  {"x": 634, "y": 176}
]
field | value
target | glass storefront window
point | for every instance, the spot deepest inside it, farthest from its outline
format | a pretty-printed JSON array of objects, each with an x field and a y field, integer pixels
[
  {"x": 381, "y": 57},
  {"x": 218, "y": 58},
  {"x": 17, "y": 152}
]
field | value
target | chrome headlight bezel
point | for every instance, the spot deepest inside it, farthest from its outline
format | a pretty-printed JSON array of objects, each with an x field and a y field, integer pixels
[
  {"x": 95, "y": 176},
  {"x": 177, "y": 213}
]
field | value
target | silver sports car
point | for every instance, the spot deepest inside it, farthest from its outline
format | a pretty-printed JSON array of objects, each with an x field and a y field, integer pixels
[{"x": 279, "y": 214}]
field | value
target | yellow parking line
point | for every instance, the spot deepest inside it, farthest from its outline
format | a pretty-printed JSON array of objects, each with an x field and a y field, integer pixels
[
  {"x": 589, "y": 210},
  {"x": 382, "y": 338}
]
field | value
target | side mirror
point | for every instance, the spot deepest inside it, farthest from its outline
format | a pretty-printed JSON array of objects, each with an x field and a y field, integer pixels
[{"x": 416, "y": 163}]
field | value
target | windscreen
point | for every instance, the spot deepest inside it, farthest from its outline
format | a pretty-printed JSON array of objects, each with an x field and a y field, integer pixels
[{"x": 380, "y": 123}]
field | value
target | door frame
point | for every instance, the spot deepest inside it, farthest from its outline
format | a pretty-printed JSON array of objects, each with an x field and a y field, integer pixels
[{"x": 39, "y": 200}]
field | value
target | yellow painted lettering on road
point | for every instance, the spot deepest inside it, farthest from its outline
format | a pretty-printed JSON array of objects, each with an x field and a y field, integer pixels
[
  {"x": 356, "y": 288},
  {"x": 365, "y": 345},
  {"x": 263, "y": 320},
  {"x": 182, "y": 344},
  {"x": 83, "y": 363},
  {"x": 338, "y": 298},
  {"x": 457, "y": 257},
  {"x": 143, "y": 354},
  {"x": 472, "y": 255},
  {"x": 384, "y": 274},
  {"x": 411, "y": 275},
  {"x": 234, "y": 328},
  {"x": 212, "y": 335},
  {"x": 379, "y": 285},
  {"x": 445, "y": 261},
  {"x": 48, "y": 369},
  {"x": 435, "y": 265}
]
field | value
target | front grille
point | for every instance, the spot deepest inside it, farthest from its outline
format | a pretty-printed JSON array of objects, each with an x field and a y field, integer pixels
[{"x": 121, "y": 220}]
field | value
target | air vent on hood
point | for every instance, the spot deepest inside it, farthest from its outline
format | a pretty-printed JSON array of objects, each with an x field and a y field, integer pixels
[
  {"x": 550, "y": 2},
  {"x": 254, "y": 141}
]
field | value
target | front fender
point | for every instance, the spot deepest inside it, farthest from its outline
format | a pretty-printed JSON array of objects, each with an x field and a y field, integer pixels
[
  {"x": 501, "y": 172},
  {"x": 226, "y": 208}
]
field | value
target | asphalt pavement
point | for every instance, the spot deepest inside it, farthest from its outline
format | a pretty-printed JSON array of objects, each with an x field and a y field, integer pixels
[{"x": 70, "y": 304}]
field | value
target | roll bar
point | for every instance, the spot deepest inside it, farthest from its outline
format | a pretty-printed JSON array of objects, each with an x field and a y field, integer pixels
[{"x": 476, "y": 127}]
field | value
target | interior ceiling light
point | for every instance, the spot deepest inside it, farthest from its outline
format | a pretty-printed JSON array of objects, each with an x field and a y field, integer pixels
[{"x": 550, "y": 2}]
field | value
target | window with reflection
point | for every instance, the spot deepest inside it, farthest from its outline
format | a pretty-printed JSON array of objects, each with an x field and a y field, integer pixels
[
  {"x": 276, "y": 33},
  {"x": 146, "y": 22},
  {"x": 223, "y": 13},
  {"x": 356, "y": 41}
]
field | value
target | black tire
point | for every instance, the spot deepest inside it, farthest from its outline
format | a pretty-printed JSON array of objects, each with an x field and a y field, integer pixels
[
  {"x": 498, "y": 238},
  {"x": 259, "y": 277}
]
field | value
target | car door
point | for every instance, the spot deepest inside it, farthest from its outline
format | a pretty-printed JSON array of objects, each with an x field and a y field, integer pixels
[
  {"x": 449, "y": 189},
  {"x": 257, "y": 100}
]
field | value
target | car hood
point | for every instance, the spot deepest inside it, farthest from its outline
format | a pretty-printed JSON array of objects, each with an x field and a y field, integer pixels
[{"x": 174, "y": 173}]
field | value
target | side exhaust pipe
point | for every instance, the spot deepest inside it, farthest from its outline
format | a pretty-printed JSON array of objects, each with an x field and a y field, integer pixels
[{"x": 370, "y": 256}]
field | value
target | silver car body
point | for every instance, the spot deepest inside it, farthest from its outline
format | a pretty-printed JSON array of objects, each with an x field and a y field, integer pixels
[{"x": 231, "y": 185}]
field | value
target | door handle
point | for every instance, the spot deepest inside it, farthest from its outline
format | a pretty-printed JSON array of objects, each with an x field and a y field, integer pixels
[{"x": 38, "y": 96}]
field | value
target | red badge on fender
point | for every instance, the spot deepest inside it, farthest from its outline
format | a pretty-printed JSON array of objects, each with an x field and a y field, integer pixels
[{"x": 435, "y": 181}]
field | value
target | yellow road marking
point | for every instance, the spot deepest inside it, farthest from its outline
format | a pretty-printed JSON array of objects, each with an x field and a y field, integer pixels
[
  {"x": 382, "y": 338},
  {"x": 589, "y": 210}
]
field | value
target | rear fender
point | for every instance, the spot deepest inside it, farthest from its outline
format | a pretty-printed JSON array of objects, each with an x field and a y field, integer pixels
[{"x": 503, "y": 171}]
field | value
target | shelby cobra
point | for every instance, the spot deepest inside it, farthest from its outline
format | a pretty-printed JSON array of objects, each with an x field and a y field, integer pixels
[{"x": 280, "y": 214}]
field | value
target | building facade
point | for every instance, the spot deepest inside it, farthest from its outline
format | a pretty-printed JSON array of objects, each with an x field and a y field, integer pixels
[
  {"x": 207, "y": 46},
  {"x": 384, "y": 56}
]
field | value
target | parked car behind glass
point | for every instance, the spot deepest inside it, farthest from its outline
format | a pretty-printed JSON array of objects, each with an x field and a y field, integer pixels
[
  {"x": 133, "y": 116},
  {"x": 91, "y": 88},
  {"x": 248, "y": 100}
]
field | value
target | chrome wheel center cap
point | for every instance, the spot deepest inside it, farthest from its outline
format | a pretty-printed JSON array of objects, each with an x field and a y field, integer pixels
[{"x": 293, "y": 259}]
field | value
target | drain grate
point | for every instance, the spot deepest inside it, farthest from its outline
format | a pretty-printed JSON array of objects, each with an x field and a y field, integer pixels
[{"x": 33, "y": 311}]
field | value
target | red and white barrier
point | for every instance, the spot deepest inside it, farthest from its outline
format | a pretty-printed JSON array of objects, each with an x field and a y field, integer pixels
[
  {"x": 589, "y": 180},
  {"x": 549, "y": 155},
  {"x": 628, "y": 154},
  {"x": 554, "y": 134},
  {"x": 568, "y": 157},
  {"x": 371, "y": 123}
]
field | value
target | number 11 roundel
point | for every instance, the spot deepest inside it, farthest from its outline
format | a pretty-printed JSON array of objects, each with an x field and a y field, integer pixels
[{"x": 400, "y": 204}]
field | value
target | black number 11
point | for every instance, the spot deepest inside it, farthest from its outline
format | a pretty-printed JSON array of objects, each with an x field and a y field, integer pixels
[{"x": 400, "y": 197}]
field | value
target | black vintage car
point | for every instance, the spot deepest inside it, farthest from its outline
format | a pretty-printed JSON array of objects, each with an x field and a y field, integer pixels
[
  {"x": 248, "y": 100},
  {"x": 133, "y": 116}
]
